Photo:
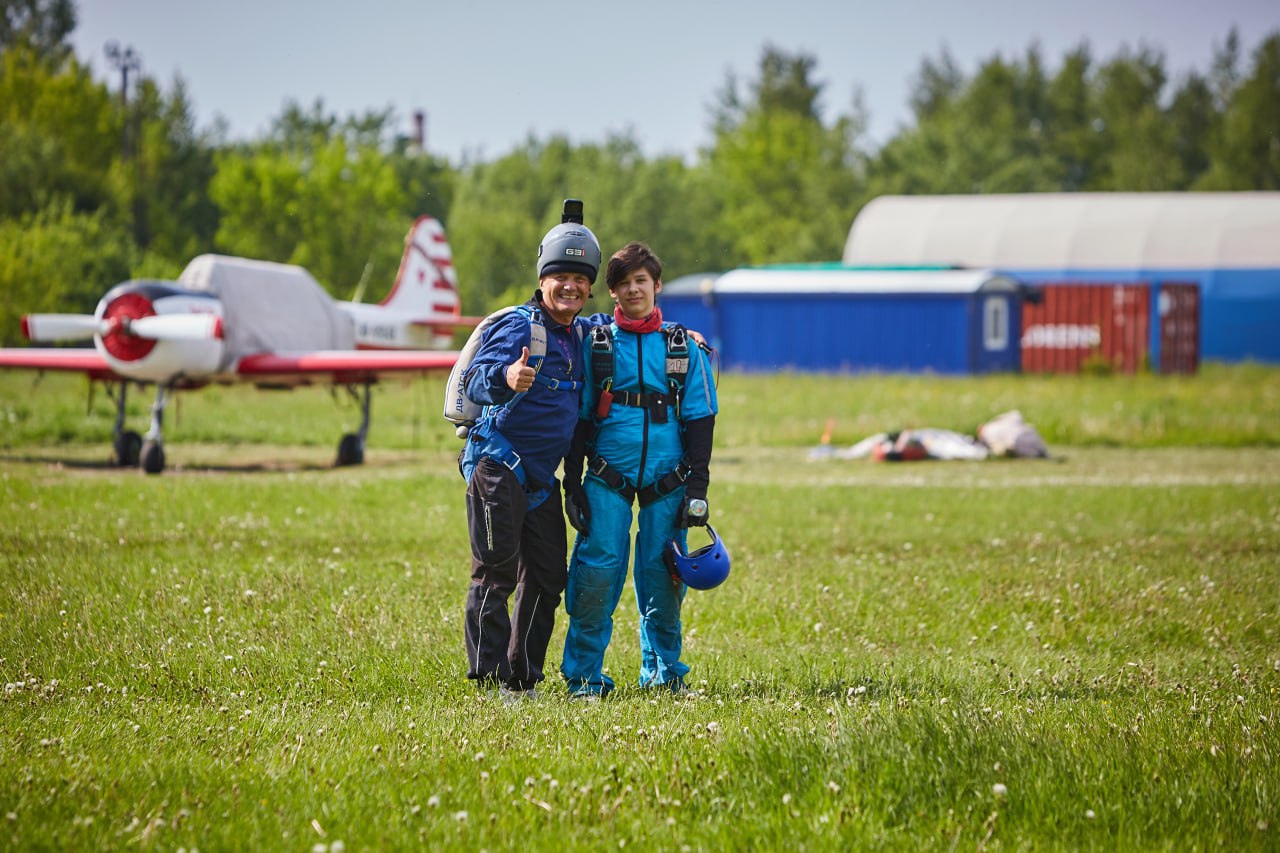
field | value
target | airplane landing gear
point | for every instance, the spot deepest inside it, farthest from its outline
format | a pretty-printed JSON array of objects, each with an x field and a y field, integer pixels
[
  {"x": 152, "y": 457},
  {"x": 351, "y": 448},
  {"x": 126, "y": 444},
  {"x": 153, "y": 447},
  {"x": 128, "y": 449},
  {"x": 350, "y": 451}
]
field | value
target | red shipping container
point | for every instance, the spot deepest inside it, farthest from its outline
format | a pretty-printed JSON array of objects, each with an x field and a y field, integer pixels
[
  {"x": 1179, "y": 308},
  {"x": 1075, "y": 324}
]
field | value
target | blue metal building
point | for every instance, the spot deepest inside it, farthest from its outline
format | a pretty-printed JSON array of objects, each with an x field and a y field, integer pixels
[
  {"x": 1227, "y": 244},
  {"x": 838, "y": 318}
]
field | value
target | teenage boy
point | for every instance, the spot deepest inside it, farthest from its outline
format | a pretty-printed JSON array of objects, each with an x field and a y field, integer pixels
[{"x": 645, "y": 433}]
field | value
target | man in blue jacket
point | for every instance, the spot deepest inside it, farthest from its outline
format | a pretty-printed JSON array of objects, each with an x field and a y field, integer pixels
[
  {"x": 514, "y": 515},
  {"x": 645, "y": 434}
]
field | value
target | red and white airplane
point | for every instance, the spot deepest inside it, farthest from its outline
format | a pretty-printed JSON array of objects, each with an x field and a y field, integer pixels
[{"x": 236, "y": 320}]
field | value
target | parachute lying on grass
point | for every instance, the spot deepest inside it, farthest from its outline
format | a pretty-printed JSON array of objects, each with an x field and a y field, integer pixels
[{"x": 1006, "y": 435}]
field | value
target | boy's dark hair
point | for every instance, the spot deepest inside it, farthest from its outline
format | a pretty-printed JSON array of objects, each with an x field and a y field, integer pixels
[{"x": 627, "y": 259}]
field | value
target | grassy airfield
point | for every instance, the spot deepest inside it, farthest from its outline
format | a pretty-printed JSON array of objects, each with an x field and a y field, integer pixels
[{"x": 257, "y": 651}]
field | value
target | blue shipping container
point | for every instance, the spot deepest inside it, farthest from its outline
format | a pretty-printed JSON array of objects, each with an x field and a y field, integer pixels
[{"x": 835, "y": 318}]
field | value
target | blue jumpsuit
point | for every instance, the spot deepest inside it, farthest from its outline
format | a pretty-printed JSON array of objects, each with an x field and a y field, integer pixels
[{"x": 643, "y": 451}]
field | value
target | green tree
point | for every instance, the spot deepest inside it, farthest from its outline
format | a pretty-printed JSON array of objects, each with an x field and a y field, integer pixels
[
  {"x": 784, "y": 181},
  {"x": 334, "y": 211},
  {"x": 1195, "y": 122},
  {"x": 60, "y": 134},
  {"x": 40, "y": 25},
  {"x": 502, "y": 210},
  {"x": 1071, "y": 124},
  {"x": 168, "y": 173},
  {"x": 335, "y": 195},
  {"x": 1137, "y": 138},
  {"x": 1246, "y": 155},
  {"x": 59, "y": 260},
  {"x": 993, "y": 133}
]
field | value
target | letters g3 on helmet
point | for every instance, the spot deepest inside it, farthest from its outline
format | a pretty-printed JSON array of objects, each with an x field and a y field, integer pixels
[{"x": 705, "y": 568}]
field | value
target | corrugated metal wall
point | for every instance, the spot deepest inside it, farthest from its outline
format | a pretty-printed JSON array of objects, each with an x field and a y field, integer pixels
[
  {"x": 1178, "y": 308},
  {"x": 1075, "y": 324}
]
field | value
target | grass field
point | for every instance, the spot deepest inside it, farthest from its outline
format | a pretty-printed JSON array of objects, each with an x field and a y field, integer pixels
[{"x": 257, "y": 651}]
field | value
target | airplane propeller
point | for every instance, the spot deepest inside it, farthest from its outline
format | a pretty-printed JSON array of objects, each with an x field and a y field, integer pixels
[
  {"x": 156, "y": 327},
  {"x": 177, "y": 327},
  {"x": 62, "y": 327}
]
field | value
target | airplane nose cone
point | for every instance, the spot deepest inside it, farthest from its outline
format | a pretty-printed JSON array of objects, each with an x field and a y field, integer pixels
[{"x": 118, "y": 343}]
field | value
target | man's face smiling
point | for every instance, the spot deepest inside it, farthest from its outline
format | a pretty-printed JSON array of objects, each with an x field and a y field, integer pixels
[{"x": 564, "y": 294}]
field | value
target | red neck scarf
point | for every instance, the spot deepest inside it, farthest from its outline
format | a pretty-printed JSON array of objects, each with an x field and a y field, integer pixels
[{"x": 652, "y": 323}]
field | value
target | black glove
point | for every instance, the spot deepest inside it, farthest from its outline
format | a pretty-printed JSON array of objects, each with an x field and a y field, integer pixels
[
  {"x": 694, "y": 511},
  {"x": 698, "y": 436},
  {"x": 575, "y": 498},
  {"x": 576, "y": 507}
]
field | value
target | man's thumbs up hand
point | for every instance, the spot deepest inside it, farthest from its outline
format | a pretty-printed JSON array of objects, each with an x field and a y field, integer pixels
[{"x": 520, "y": 374}]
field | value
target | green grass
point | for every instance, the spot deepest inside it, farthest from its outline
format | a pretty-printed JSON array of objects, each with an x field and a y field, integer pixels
[
  {"x": 1222, "y": 406},
  {"x": 255, "y": 651}
]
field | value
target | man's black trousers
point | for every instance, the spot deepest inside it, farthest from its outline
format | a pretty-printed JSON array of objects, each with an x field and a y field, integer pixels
[{"x": 513, "y": 549}]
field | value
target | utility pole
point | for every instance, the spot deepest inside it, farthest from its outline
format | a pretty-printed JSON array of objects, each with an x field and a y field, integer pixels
[{"x": 123, "y": 61}]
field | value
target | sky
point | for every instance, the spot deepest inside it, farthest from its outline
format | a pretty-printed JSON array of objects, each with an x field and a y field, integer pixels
[{"x": 490, "y": 74}]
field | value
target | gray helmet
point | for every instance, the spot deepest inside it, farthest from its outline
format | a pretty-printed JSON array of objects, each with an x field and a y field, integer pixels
[{"x": 569, "y": 247}]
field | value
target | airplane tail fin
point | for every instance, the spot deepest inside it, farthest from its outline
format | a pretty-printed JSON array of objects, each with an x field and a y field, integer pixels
[{"x": 426, "y": 285}]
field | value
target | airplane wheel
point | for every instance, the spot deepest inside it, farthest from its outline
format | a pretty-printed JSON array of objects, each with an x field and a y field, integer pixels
[
  {"x": 349, "y": 450},
  {"x": 152, "y": 457},
  {"x": 128, "y": 449}
]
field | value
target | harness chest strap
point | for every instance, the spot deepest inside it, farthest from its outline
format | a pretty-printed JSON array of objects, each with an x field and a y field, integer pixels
[{"x": 603, "y": 364}]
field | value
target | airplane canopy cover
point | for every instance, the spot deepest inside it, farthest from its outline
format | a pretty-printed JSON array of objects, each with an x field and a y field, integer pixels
[
  {"x": 1224, "y": 230},
  {"x": 269, "y": 307}
]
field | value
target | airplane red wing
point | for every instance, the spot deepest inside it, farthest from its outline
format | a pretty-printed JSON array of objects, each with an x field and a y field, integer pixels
[
  {"x": 82, "y": 360},
  {"x": 342, "y": 366}
]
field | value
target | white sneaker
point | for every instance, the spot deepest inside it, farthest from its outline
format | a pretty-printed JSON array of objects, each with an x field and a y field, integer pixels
[{"x": 585, "y": 696}]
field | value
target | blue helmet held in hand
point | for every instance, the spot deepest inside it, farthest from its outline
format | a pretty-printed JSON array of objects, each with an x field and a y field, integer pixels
[{"x": 705, "y": 568}]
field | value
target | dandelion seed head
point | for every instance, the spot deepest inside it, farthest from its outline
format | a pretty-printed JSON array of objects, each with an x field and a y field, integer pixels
[
  {"x": 1000, "y": 790},
  {"x": 1089, "y": 815},
  {"x": 433, "y": 801}
]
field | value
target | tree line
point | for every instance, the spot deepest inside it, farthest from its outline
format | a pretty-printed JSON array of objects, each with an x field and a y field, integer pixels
[{"x": 96, "y": 188}]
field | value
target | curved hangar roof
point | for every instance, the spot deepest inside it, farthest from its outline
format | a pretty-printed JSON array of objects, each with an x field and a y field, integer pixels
[
  {"x": 1071, "y": 231},
  {"x": 827, "y": 279}
]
